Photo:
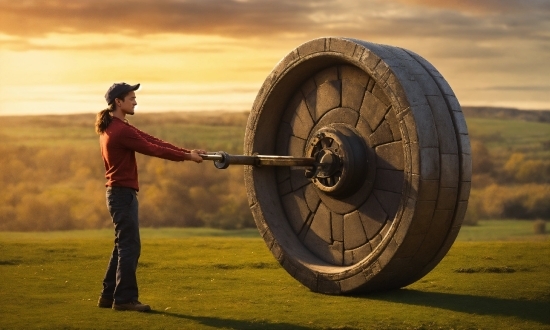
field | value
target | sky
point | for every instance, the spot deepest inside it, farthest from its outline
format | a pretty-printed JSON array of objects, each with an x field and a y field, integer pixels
[{"x": 60, "y": 57}]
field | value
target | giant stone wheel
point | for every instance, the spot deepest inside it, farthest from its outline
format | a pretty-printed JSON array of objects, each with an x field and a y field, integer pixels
[{"x": 389, "y": 200}]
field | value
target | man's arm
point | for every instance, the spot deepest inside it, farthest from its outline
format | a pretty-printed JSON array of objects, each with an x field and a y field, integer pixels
[
  {"x": 158, "y": 141},
  {"x": 131, "y": 139}
]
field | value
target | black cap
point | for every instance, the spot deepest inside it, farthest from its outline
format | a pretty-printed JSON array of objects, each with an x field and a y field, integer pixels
[{"x": 118, "y": 89}]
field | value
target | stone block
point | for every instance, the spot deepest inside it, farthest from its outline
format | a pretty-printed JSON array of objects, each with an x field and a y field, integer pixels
[
  {"x": 454, "y": 105},
  {"x": 296, "y": 210},
  {"x": 380, "y": 94},
  {"x": 449, "y": 170},
  {"x": 429, "y": 86},
  {"x": 444, "y": 86},
  {"x": 361, "y": 253},
  {"x": 375, "y": 241},
  {"x": 459, "y": 214},
  {"x": 464, "y": 144},
  {"x": 311, "y": 47},
  {"x": 326, "y": 75},
  {"x": 447, "y": 198},
  {"x": 285, "y": 187},
  {"x": 394, "y": 124},
  {"x": 370, "y": 59},
  {"x": 283, "y": 139},
  {"x": 354, "y": 234},
  {"x": 364, "y": 129},
  {"x": 321, "y": 225},
  {"x": 464, "y": 191},
  {"x": 373, "y": 110},
  {"x": 415, "y": 157},
  {"x": 422, "y": 217},
  {"x": 353, "y": 282},
  {"x": 342, "y": 46},
  {"x": 390, "y": 201},
  {"x": 372, "y": 216},
  {"x": 425, "y": 126},
  {"x": 312, "y": 197},
  {"x": 390, "y": 180},
  {"x": 410, "y": 125},
  {"x": 328, "y": 97},
  {"x": 354, "y": 75},
  {"x": 296, "y": 146},
  {"x": 390, "y": 156},
  {"x": 444, "y": 123},
  {"x": 337, "y": 223},
  {"x": 381, "y": 135},
  {"x": 352, "y": 94},
  {"x": 428, "y": 190},
  {"x": 301, "y": 121},
  {"x": 466, "y": 168},
  {"x": 297, "y": 178},
  {"x": 410, "y": 246},
  {"x": 429, "y": 164},
  {"x": 460, "y": 122}
]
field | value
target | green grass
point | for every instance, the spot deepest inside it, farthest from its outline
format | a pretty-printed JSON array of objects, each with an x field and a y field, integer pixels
[
  {"x": 501, "y": 230},
  {"x": 185, "y": 129},
  {"x": 504, "y": 136},
  {"x": 194, "y": 280}
]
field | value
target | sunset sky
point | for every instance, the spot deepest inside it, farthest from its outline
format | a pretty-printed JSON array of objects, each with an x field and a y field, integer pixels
[{"x": 60, "y": 56}]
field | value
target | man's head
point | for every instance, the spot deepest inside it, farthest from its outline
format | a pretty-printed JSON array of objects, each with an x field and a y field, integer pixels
[
  {"x": 117, "y": 90},
  {"x": 121, "y": 97}
]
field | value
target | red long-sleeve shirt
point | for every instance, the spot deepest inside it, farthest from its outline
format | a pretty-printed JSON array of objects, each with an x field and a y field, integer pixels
[{"x": 119, "y": 144}]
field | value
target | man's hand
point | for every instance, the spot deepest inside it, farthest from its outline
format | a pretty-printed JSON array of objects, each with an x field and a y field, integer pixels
[
  {"x": 195, "y": 156},
  {"x": 199, "y": 151}
]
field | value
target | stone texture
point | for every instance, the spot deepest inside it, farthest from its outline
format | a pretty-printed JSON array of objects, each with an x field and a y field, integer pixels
[
  {"x": 354, "y": 235},
  {"x": 389, "y": 180},
  {"x": 337, "y": 224},
  {"x": 444, "y": 123},
  {"x": 372, "y": 216},
  {"x": 321, "y": 225},
  {"x": 296, "y": 209},
  {"x": 391, "y": 119},
  {"x": 390, "y": 156},
  {"x": 352, "y": 94},
  {"x": 381, "y": 135},
  {"x": 390, "y": 201},
  {"x": 412, "y": 202},
  {"x": 373, "y": 110},
  {"x": 429, "y": 164}
]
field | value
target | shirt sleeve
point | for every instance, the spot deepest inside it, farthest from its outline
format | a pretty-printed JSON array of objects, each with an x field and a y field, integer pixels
[
  {"x": 133, "y": 140},
  {"x": 159, "y": 142}
]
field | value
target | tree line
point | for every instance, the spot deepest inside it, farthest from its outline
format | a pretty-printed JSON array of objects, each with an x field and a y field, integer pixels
[{"x": 60, "y": 186}]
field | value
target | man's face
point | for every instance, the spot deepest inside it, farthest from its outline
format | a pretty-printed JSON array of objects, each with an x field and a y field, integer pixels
[{"x": 128, "y": 104}]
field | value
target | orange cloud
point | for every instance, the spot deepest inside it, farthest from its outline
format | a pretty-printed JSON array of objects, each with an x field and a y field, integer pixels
[
  {"x": 232, "y": 17},
  {"x": 479, "y": 6}
]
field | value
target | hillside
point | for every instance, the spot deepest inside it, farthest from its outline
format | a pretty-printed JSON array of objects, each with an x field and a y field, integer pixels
[{"x": 542, "y": 116}]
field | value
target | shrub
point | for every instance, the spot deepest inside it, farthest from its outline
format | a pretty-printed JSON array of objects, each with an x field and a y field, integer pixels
[{"x": 540, "y": 226}]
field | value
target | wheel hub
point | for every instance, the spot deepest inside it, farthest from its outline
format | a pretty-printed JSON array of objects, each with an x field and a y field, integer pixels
[{"x": 341, "y": 160}]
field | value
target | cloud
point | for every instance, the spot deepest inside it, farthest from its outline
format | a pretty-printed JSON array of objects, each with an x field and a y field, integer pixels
[
  {"x": 483, "y": 7},
  {"x": 495, "y": 38},
  {"x": 231, "y": 17},
  {"x": 270, "y": 20}
]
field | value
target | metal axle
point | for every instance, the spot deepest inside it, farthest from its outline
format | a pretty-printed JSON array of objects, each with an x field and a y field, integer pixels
[{"x": 223, "y": 160}]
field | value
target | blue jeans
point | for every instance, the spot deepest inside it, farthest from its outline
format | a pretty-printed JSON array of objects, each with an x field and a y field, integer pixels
[{"x": 120, "y": 281}]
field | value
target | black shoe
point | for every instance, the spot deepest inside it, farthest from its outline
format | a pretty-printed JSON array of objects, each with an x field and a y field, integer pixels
[
  {"x": 132, "y": 306},
  {"x": 105, "y": 302}
]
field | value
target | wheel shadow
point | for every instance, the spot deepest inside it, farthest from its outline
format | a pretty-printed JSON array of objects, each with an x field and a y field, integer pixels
[
  {"x": 538, "y": 311},
  {"x": 218, "y": 322}
]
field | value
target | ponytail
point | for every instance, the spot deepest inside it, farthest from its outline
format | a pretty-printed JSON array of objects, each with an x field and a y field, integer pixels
[{"x": 104, "y": 119}]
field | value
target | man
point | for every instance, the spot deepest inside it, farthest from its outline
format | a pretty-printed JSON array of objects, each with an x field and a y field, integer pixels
[{"x": 119, "y": 142}]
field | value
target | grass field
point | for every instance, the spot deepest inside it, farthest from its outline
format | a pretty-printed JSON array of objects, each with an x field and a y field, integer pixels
[
  {"x": 226, "y": 130},
  {"x": 213, "y": 279}
]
